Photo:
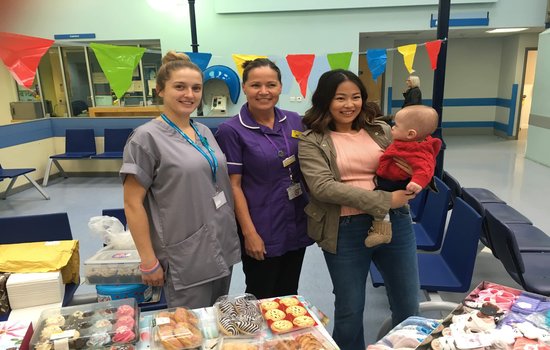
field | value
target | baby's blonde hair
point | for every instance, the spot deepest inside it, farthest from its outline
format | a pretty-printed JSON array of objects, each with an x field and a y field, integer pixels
[{"x": 421, "y": 118}]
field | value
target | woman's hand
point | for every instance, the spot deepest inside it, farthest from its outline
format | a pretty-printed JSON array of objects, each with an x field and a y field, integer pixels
[
  {"x": 401, "y": 163},
  {"x": 155, "y": 279},
  {"x": 400, "y": 198},
  {"x": 254, "y": 246}
]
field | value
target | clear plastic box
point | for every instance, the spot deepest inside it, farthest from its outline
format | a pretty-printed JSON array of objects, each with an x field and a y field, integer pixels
[
  {"x": 87, "y": 326},
  {"x": 176, "y": 329},
  {"x": 230, "y": 343},
  {"x": 113, "y": 266}
]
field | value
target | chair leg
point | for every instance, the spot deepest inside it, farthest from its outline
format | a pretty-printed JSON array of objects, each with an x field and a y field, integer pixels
[
  {"x": 38, "y": 187},
  {"x": 47, "y": 173},
  {"x": 60, "y": 168},
  {"x": 12, "y": 182}
]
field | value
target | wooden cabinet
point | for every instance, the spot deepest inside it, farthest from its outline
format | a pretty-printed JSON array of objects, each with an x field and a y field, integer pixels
[{"x": 138, "y": 111}]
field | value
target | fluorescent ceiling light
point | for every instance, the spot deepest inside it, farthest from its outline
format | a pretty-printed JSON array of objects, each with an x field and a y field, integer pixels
[{"x": 506, "y": 30}]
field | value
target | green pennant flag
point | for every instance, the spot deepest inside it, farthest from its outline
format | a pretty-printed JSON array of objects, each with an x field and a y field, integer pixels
[
  {"x": 339, "y": 60},
  {"x": 118, "y": 64}
]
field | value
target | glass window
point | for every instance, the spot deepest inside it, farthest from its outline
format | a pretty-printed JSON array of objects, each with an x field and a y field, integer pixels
[{"x": 76, "y": 75}]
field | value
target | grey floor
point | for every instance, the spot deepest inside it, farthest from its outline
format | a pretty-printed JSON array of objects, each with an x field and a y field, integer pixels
[{"x": 476, "y": 161}]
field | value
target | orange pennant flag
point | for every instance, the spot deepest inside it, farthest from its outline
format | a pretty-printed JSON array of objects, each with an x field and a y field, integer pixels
[
  {"x": 433, "y": 48},
  {"x": 21, "y": 54},
  {"x": 300, "y": 66},
  {"x": 240, "y": 59},
  {"x": 408, "y": 52}
]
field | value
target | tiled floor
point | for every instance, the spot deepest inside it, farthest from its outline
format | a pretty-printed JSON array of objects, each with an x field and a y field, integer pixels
[{"x": 476, "y": 161}]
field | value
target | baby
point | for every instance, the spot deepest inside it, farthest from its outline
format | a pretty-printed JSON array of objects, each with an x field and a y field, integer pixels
[{"x": 413, "y": 144}]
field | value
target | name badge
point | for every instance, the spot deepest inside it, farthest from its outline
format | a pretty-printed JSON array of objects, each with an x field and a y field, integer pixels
[
  {"x": 219, "y": 199},
  {"x": 288, "y": 161},
  {"x": 296, "y": 134},
  {"x": 294, "y": 190}
]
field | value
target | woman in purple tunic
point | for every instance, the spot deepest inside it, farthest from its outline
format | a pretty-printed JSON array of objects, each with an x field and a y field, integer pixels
[{"x": 261, "y": 145}]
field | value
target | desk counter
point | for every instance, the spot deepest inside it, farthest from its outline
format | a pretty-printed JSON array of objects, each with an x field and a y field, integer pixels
[{"x": 138, "y": 111}]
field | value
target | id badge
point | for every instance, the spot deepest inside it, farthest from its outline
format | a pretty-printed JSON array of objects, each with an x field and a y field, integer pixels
[
  {"x": 296, "y": 134},
  {"x": 294, "y": 190},
  {"x": 219, "y": 199},
  {"x": 289, "y": 160}
]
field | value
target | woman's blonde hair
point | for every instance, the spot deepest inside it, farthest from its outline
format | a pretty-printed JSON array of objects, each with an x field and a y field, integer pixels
[
  {"x": 170, "y": 62},
  {"x": 415, "y": 81}
]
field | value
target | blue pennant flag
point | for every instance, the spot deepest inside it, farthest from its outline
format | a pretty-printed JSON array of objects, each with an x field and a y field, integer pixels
[
  {"x": 201, "y": 59},
  {"x": 376, "y": 60}
]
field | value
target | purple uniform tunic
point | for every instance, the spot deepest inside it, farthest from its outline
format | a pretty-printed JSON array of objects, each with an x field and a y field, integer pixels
[{"x": 257, "y": 153}]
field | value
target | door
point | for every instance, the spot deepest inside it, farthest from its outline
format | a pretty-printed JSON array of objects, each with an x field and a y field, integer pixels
[
  {"x": 374, "y": 88},
  {"x": 527, "y": 90}
]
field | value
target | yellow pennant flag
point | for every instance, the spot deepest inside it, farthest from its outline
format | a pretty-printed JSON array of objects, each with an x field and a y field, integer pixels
[
  {"x": 408, "y": 52},
  {"x": 240, "y": 59}
]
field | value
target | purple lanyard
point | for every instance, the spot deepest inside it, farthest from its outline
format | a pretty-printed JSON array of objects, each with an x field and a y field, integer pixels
[{"x": 279, "y": 152}]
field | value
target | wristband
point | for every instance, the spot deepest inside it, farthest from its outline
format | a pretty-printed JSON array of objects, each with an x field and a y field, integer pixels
[{"x": 151, "y": 270}]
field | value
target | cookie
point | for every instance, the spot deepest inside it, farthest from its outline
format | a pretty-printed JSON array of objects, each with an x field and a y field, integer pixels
[
  {"x": 268, "y": 305},
  {"x": 296, "y": 310},
  {"x": 281, "y": 326},
  {"x": 274, "y": 315},
  {"x": 303, "y": 321},
  {"x": 289, "y": 301}
]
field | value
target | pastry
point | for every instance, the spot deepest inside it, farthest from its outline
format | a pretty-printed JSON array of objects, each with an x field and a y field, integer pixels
[
  {"x": 247, "y": 327},
  {"x": 78, "y": 314},
  {"x": 289, "y": 301},
  {"x": 125, "y": 310},
  {"x": 99, "y": 339},
  {"x": 183, "y": 315},
  {"x": 227, "y": 326},
  {"x": 57, "y": 320},
  {"x": 126, "y": 321},
  {"x": 238, "y": 346},
  {"x": 48, "y": 331},
  {"x": 274, "y": 315},
  {"x": 268, "y": 305},
  {"x": 122, "y": 347},
  {"x": 303, "y": 321},
  {"x": 309, "y": 342},
  {"x": 103, "y": 325},
  {"x": 123, "y": 334},
  {"x": 296, "y": 310},
  {"x": 281, "y": 326}
]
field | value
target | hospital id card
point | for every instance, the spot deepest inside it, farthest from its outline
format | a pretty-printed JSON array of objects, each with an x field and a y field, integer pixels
[
  {"x": 219, "y": 199},
  {"x": 289, "y": 160},
  {"x": 294, "y": 190}
]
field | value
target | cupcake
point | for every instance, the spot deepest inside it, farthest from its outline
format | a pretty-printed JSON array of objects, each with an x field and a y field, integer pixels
[
  {"x": 57, "y": 320},
  {"x": 125, "y": 310},
  {"x": 126, "y": 321},
  {"x": 48, "y": 331},
  {"x": 124, "y": 334},
  {"x": 98, "y": 339},
  {"x": 103, "y": 325}
]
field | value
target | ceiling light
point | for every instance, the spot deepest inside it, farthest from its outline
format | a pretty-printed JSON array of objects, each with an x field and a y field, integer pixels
[{"x": 506, "y": 30}]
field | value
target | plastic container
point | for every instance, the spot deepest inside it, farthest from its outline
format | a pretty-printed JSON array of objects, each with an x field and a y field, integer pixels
[
  {"x": 176, "y": 329},
  {"x": 286, "y": 314},
  {"x": 111, "y": 266},
  {"x": 301, "y": 339},
  {"x": 229, "y": 343},
  {"x": 238, "y": 315},
  {"x": 140, "y": 292},
  {"x": 98, "y": 325}
]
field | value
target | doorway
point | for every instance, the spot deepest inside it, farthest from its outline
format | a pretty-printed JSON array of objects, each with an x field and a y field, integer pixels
[
  {"x": 374, "y": 88},
  {"x": 529, "y": 67}
]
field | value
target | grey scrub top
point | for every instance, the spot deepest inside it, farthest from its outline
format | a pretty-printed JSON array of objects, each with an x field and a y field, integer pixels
[{"x": 195, "y": 242}]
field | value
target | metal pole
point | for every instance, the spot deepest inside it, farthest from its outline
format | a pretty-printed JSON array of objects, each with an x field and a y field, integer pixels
[
  {"x": 443, "y": 15},
  {"x": 194, "y": 42}
]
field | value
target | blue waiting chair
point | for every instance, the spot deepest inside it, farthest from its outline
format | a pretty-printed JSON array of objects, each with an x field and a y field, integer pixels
[
  {"x": 528, "y": 268},
  {"x": 450, "y": 269},
  {"x": 417, "y": 205},
  {"x": 454, "y": 186},
  {"x": 38, "y": 228},
  {"x": 115, "y": 140},
  {"x": 429, "y": 230},
  {"x": 13, "y": 174},
  {"x": 79, "y": 144}
]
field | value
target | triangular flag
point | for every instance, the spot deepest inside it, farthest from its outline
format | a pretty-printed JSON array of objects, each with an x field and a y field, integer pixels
[
  {"x": 339, "y": 60},
  {"x": 300, "y": 66},
  {"x": 118, "y": 64},
  {"x": 201, "y": 59},
  {"x": 21, "y": 54},
  {"x": 376, "y": 60},
  {"x": 433, "y": 48},
  {"x": 408, "y": 52},
  {"x": 240, "y": 59}
]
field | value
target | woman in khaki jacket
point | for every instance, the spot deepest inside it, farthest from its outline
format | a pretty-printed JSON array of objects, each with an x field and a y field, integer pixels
[{"x": 338, "y": 156}]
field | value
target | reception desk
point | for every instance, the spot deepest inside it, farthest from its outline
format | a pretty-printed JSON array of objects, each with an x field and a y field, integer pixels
[{"x": 114, "y": 111}]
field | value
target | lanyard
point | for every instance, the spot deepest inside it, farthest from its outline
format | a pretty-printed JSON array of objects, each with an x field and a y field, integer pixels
[
  {"x": 279, "y": 152},
  {"x": 210, "y": 157}
]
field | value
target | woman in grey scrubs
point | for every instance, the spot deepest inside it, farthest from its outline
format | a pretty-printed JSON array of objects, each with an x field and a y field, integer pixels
[{"x": 177, "y": 195}]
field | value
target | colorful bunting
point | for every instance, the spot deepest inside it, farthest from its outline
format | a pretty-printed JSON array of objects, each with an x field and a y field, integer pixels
[
  {"x": 339, "y": 60},
  {"x": 201, "y": 59},
  {"x": 408, "y": 52},
  {"x": 239, "y": 59},
  {"x": 118, "y": 64},
  {"x": 21, "y": 54},
  {"x": 376, "y": 60},
  {"x": 433, "y": 48},
  {"x": 300, "y": 66}
]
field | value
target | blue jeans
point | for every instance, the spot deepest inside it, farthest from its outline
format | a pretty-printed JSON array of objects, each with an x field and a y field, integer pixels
[{"x": 349, "y": 269}]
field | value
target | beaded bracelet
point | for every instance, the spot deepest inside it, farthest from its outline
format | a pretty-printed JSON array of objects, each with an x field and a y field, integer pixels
[{"x": 151, "y": 270}]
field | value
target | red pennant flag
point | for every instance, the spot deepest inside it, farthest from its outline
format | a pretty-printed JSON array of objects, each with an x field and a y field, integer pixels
[
  {"x": 300, "y": 66},
  {"x": 21, "y": 54},
  {"x": 433, "y": 48}
]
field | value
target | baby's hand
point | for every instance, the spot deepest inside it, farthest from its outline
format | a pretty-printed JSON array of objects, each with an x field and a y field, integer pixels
[{"x": 414, "y": 187}]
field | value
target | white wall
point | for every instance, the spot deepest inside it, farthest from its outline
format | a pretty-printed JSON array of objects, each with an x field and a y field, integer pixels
[{"x": 279, "y": 33}]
